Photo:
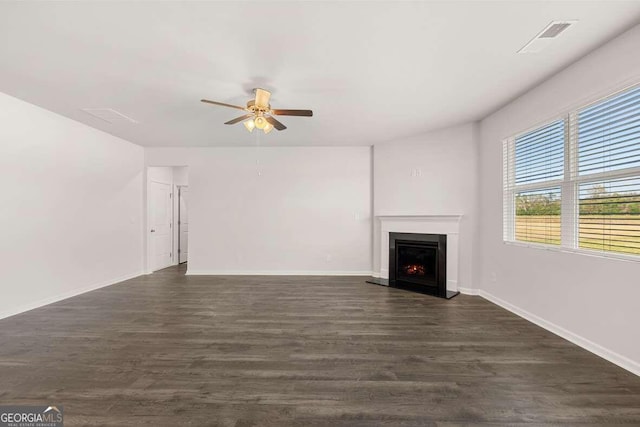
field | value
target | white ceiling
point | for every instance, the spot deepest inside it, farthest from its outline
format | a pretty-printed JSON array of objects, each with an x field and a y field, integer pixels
[{"x": 370, "y": 71}]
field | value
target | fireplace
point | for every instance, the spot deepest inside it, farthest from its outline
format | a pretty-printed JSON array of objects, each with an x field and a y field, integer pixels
[
  {"x": 418, "y": 262},
  {"x": 441, "y": 231}
]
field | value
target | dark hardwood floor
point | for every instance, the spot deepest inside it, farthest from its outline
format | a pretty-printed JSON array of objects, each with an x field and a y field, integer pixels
[{"x": 169, "y": 349}]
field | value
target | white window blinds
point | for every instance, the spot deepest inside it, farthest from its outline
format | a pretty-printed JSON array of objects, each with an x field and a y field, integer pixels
[
  {"x": 610, "y": 215},
  {"x": 575, "y": 182},
  {"x": 534, "y": 165},
  {"x": 540, "y": 154},
  {"x": 609, "y": 135}
]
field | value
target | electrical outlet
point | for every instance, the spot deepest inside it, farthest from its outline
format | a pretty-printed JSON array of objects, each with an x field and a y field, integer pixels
[
  {"x": 416, "y": 172},
  {"x": 494, "y": 277},
  {"x": 328, "y": 257}
]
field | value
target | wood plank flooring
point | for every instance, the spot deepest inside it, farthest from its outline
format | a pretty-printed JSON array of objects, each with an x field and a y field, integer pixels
[{"x": 168, "y": 349}]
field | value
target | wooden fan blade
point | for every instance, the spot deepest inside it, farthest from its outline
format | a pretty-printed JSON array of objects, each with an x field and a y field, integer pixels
[
  {"x": 238, "y": 119},
  {"x": 276, "y": 124},
  {"x": 262, "y": 98},
  {"x": 304, "y": 113},
  {"x": 223, "y": 104}
]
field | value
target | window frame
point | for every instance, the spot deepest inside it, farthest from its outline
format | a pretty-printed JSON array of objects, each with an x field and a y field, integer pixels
[{"x": 569, "y": 186}]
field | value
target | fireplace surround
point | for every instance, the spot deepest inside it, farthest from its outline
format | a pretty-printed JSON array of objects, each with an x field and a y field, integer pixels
[{"x": 442, "y": 224}]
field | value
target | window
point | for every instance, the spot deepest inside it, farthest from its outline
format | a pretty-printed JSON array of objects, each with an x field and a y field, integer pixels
[
  {"x": 574, "y": 183},
  {"x": 538, "y": 216}
]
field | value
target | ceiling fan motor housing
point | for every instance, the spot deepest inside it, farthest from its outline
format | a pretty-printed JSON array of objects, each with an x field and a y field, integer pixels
[{"x": 251, "y": 106}]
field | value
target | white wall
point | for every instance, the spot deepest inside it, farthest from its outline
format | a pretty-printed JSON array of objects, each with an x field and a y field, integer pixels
[
  {"x": 71, "y": 209},
  {"x": 276, "y": 210},
  {"x": 592, "y": 301},
  {"x": 432, "y": 174},
  {"x": 181, "y": 175}
]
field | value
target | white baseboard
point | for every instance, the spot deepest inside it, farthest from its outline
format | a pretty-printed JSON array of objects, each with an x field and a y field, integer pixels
[
  {"x": 274, "y": 273},
  {"x": 613, "y": 357},
  {"x": 468, "y": 291},
  {"x": 72, "y": 293}
]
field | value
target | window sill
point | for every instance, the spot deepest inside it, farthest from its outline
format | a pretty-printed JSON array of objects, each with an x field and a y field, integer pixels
[{"x": 587, "y": 252}]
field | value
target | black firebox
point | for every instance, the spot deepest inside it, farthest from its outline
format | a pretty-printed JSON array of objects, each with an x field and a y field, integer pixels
[{"x": 418, "y": 262}]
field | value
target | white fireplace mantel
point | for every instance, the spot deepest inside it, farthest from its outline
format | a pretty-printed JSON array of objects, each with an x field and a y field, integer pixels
[{"x": 426, "y": 224}]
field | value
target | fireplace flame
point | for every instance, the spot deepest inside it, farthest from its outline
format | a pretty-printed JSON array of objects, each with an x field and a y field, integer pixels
[{"x": 413, "y": 270}]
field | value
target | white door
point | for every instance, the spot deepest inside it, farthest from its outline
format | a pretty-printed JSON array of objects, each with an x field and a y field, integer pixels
[
  {"x": 183, "y": 223},
  {"x": 160, "y": 224}
]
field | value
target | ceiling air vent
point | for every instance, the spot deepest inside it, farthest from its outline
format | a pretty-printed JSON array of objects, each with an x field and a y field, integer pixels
[
  {"x": 544, "y": 37},
  {"x": 109, "y": 115}
]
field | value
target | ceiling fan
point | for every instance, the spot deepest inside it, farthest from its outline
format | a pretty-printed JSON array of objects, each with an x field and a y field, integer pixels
[{"x": 260, "y": 114}]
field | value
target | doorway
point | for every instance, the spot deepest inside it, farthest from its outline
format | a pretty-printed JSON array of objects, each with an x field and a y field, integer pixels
[
  {"x": 183, "y": 223},
  {"x": 167, "y": 231}
]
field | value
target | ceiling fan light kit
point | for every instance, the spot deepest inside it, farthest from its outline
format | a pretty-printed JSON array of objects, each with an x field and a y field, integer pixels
[
  {"x": 260, "y": 123},
  {"x": 260, "y": 115},
  {"x": 250, "y": 125}
]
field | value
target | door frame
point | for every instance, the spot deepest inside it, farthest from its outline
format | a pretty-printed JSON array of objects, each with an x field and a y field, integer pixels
[{"x": 170, "y": 176}]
